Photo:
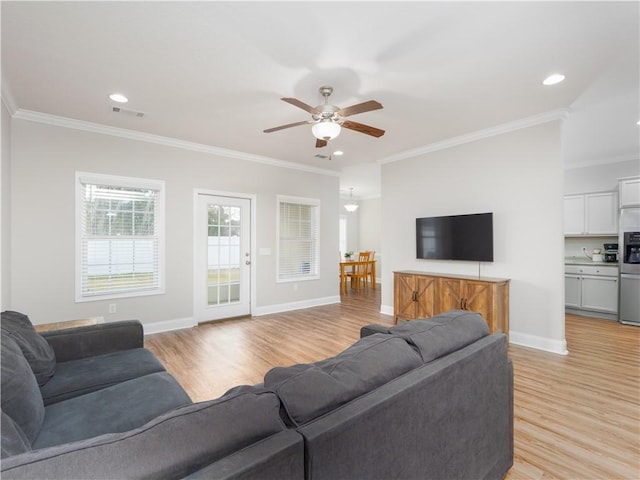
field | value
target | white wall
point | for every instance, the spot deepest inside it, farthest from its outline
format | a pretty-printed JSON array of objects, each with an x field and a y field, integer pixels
[
  {"x": 45, "y": 159},
  {"x": 5, "y": 210},
  {"x": 369, "y": 229},
  {"x": 519, "y": 177},
  {"x": 599, "y": 178}
]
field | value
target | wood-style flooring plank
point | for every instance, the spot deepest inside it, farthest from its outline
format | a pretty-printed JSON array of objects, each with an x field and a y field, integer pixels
[{"x": 577, "y": 417}]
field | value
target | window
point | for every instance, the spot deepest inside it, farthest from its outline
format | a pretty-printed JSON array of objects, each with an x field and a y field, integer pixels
[
  {"x": 298, "y": 238},
  {"x": 120, "y": 236},
  {"x": 343, "y": 235}
]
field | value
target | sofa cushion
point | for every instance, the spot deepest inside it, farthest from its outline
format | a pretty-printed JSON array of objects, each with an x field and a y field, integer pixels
[
  {"x": 308, "y": 391},
  {"x": 20, "y": 397},
  {"x": 170, "y": 446},
  {"x": 35, "y": 348},
  {"x": 78, "y": 377},
  {"x": 118, "y": 408},
  {"x": 14, "y": 440},
  {"x": 442, "y": 334}
]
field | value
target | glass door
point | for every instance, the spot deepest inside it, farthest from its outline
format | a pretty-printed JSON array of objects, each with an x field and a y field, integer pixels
[{"x": 223, "y": 258}]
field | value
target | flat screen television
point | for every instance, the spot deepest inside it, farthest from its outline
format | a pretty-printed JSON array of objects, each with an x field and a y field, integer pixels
[{"x": 455, "y": 237}]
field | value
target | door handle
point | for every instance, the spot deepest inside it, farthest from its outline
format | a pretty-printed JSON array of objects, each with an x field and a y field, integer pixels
[{"x": 247, "y": 262}]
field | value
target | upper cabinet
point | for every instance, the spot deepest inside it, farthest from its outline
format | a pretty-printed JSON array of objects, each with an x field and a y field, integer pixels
[
  {"x": 629, "y": 192},
  {"x": 591, "y": 214}
]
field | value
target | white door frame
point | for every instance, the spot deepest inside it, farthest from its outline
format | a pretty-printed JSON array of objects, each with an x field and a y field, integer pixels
[{"x": 252, "y": 201}]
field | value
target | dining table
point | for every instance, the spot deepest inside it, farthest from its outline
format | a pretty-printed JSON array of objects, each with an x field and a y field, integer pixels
[{"x": 349, "y": 265}]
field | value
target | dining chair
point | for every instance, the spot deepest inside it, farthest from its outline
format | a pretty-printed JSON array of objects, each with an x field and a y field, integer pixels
[
  {"x": 359, "y": 271},
  {"x": 370, "y": 269}
]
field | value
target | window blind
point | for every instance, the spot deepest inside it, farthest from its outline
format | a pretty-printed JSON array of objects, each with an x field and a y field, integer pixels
[
  {"x": 298, "y": 238},
  {"x": 119, "y": 238}
]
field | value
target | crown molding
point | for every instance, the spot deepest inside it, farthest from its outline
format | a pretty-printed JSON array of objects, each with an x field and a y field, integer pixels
[
  {"x": 595, "y": 162},
  {"x": 7, "y": 97},
  {"x": 74, "y": 124},
  {"x": 527, "y": 122}
]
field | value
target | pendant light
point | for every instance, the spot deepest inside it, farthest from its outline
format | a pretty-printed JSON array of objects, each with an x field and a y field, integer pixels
[{"x": 351, "y": 206}]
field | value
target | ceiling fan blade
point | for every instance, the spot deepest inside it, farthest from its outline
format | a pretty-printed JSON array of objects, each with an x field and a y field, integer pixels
[
  {"x": 289, "y": 125},
  {"x": 321, "y": 143},
  {"x": 360, "y": 108},
  {"x": 362, "y": 128},
  {"x": 297, "y": 103}
]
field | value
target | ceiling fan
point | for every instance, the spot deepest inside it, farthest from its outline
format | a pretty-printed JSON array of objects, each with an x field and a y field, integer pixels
[{"x": 328, "y": 119}]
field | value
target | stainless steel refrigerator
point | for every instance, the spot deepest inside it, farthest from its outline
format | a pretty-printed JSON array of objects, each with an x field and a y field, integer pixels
[{"x": 629, "y": 258}]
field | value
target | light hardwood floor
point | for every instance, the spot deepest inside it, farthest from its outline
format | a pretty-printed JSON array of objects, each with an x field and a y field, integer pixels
[{"x": 576, "y": 416}]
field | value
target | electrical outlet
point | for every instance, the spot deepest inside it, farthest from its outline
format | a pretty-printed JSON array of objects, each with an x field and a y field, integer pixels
[{"x": 112, "y": 308}]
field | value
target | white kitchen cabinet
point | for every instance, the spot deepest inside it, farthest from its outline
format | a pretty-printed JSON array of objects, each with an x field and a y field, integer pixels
[
  {"x": 600, "y": 294},
  {"x": 593, "y": 288},
  {"x": 591, "y": 214},
  {"x": 629, "y": 192},
  {"x": 572, "y": 291},
  {"x": 574, "y": 215}
]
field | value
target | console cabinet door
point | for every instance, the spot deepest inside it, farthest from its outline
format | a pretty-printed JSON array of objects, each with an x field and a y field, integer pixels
[
  {"x": 479, "y": 298},
  {"x": 414, "y": 296},
  {"x": 426, "y": 291},
  {"x": 450, "y": 294}
]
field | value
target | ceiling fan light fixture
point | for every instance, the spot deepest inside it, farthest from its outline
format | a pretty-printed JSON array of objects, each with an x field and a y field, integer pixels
[{"x": 325, "y": 130}]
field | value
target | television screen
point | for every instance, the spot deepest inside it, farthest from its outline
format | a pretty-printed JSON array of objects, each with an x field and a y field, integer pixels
[{"x": 455, "y": 237}]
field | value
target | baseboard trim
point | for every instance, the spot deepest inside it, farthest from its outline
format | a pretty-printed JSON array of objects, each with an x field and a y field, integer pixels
[
  {"x": 540, "y": 343},
  {"x": 386, "y": 309},
  {"x": 287, "y": 307},
  {"x": 169, "y": 325}
]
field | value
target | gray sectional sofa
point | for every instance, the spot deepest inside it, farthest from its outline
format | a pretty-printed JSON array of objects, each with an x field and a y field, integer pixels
[{"x": 428, "y": 399}]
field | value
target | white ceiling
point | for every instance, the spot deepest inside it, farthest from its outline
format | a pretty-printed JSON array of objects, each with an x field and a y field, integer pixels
[{"x": 213, "y": 73}]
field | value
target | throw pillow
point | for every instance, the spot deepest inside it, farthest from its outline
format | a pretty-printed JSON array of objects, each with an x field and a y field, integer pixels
[
  {"x": 14, "y": 440},
  {"x": 35, "y": 348},
  {"x": 21, "y": 399}
]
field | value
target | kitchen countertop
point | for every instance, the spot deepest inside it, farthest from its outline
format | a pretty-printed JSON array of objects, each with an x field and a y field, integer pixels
[{"x": 586, "y": 261}]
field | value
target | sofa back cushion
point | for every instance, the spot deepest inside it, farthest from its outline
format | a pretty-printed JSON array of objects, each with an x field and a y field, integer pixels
[
  {"x": 35, "y": 348},
  {"x": 170, "y": 446},
  {"x": 21, "y": 399},
  {"x": 442, "y": 334},
  {"x": 311, "y": 390}
]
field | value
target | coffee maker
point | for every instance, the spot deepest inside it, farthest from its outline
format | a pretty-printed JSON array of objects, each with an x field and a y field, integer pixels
[{"x": 610, "y": 253}]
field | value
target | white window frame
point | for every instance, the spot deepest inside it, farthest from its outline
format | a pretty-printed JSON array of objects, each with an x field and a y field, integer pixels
[
  {"x": 314, "y": 273},
  {"x": 119, "y": 181}
]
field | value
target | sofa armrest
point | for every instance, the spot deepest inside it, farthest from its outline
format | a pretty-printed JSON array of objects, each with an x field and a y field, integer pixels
[
  {"x": 371, "y": 329},
  {"x": 91, "y": 340}
]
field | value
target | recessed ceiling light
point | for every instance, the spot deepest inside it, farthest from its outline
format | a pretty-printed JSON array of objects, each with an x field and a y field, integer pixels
[
  {"x": 338, "y": 152},
  {"x": 638, "y": 122},
  {"x": 553, "y": 79},
  {"x": 118, "y": 97}
]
